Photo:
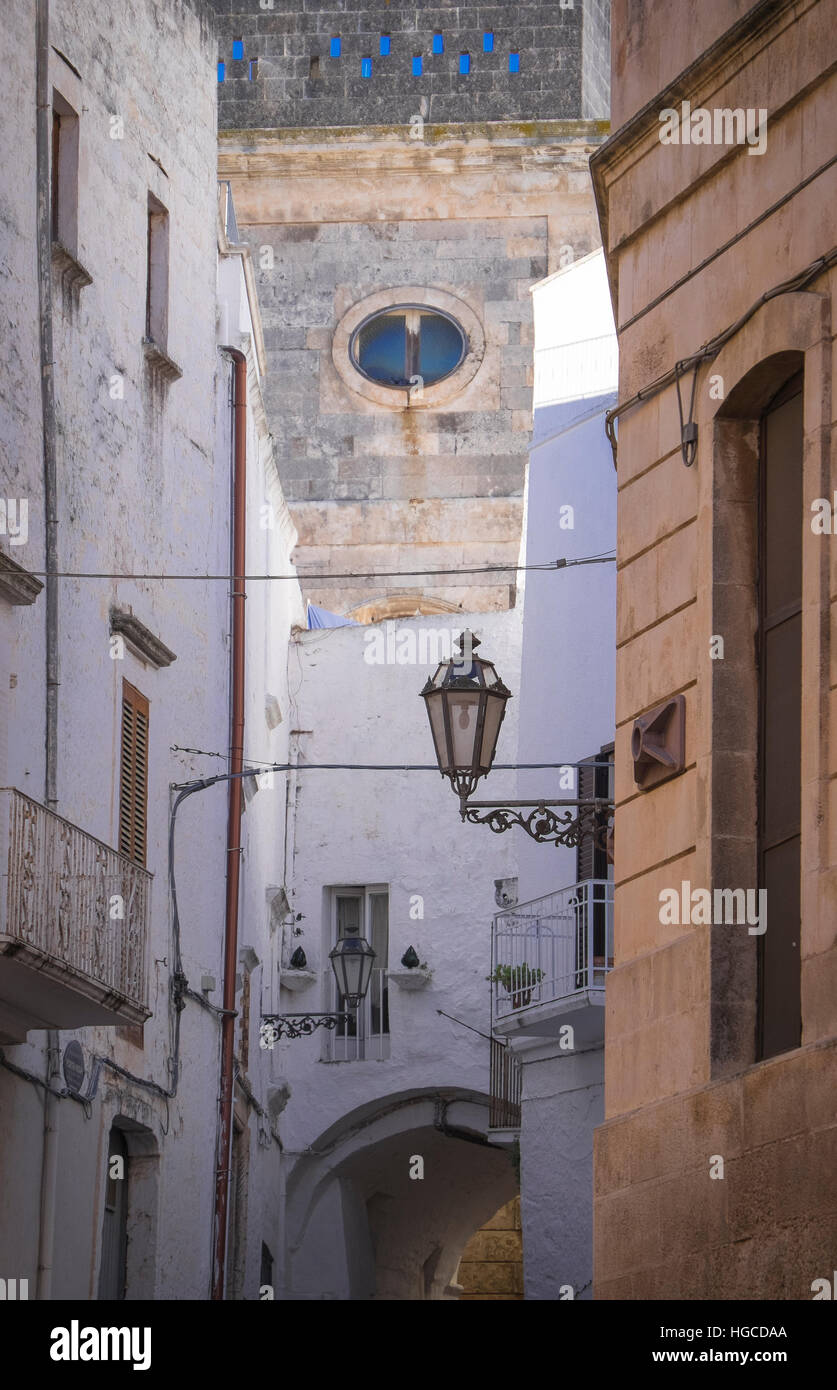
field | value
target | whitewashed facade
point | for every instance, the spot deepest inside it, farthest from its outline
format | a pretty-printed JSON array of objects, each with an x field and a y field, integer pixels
[
  {"x": 144, "y": 465},
  {"x": 362, "y": 1218},
  {"x": 562, "y": 924}
]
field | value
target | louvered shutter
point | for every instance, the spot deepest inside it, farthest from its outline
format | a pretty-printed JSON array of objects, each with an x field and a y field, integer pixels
[
  {"x": 585, "y": 850},
  {"x": 133, "y": 778}
]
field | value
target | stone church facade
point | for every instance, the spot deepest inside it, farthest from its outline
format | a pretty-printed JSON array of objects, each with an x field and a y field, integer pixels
[{"x": 432, "y": 161}]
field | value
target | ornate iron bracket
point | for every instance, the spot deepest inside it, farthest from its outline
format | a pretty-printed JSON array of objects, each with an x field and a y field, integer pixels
[
  {"x": 567, "y": 828},
  {"x": 276, "y": 1026}
]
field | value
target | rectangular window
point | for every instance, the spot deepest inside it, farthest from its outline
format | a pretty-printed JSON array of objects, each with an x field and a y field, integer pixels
[
  {"x": 488, "y": 43},
  {"x": 157, "y": 274},
  {"x": 253, "y": 69},
  {"x": 222, "y": 71},
  {"x": 385, "y": 45},
  {"x": 465, "y": 63},
  {"x": 65, "y": 135},
  {"x": 133, "y": 775},
  {"x": 366, "y": 67},
  {"x": 417, "y": 65},
  {"x": 780, "y": 719},
  {"x": 514, "y": 62},
  {"x": 364, "y": 1035},
  {"x": 438, "y": 43},
  {"x": 335, "y": 46},
  {"x": 238, "y": 49}
]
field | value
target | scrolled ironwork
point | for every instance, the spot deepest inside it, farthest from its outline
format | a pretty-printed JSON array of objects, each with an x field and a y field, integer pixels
[
  {"x": 566, "y": 827},
  {"x": 276, "y": 1026}
]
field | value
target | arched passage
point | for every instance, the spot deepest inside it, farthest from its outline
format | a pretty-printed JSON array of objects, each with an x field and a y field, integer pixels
[{"x": 383, "y": 1204}]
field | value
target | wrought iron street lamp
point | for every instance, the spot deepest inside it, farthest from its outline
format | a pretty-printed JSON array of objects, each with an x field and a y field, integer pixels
[
  {"x": 351, "y": 960},
  {"x": 466, "y": 703}
]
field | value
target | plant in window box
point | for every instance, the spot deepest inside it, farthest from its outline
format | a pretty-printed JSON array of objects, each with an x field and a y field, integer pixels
[{"x": 517, "y": 980}]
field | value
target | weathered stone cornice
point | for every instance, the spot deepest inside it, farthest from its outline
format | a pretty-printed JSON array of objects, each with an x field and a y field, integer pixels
[
  {"x": 348, "y": 149},
  {"x": 159, "y": 363},
  {"x": 737, "y": 47},
  {"x": 140, "y": 638},
  {"x": 17, "y": 585},
  {"x": 74, "y": 276}
]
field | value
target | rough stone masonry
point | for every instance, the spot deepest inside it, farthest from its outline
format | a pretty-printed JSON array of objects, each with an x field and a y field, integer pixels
[{"x": 370, "y": 169}]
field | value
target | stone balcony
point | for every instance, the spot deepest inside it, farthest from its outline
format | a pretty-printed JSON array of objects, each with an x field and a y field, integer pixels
[{"x": 74, "y": 917}]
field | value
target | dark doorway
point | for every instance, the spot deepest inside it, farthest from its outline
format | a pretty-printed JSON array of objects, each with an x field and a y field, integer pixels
[{"x": 780, "y": 718}]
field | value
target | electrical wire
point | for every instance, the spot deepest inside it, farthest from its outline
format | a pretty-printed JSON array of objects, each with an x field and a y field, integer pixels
[
  {"x": 63, "y": 1094},
  {"x": 254, "y": 771},
  {"x": 348, "y": 574},
  {"x": 713, "y": 347}
]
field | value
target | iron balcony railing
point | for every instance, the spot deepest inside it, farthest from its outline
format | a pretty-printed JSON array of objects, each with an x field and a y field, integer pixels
[
  {"x": 505, "y": 1087},
  {"x": 72, "y": 907},
  {"x": 364, "y": 1035},
  {"x": 552, "y": 947}
]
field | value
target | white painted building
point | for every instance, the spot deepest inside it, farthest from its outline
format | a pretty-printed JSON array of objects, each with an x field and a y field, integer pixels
[
  {"x": 362, "y": 1159},
  {"x": 108, "y": 1089},
  {"x": 559, "y": 935},
  {"x": 388, "y": 849}
]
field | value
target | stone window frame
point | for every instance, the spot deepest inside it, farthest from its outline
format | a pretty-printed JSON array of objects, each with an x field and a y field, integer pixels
[
  {"x": 788, "y": 334},
  {"x": 441, "y": 393}
]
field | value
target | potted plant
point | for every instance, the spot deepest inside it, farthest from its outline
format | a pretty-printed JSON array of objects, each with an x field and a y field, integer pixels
[{"x": 517, "y": 980}]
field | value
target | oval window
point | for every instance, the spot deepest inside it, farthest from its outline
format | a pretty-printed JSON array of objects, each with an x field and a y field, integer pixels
[{"x": 407, "y": 345}]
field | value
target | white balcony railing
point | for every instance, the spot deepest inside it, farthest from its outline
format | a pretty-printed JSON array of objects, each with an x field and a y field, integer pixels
[
  {"x": 553, "y": 947},
  {"x": 73, "y": 922},
  {"x": 365, "y": 1035}
]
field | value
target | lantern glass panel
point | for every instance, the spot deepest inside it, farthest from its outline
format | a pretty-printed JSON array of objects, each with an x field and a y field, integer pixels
[
  {"x": 491, "y": 728},
  {"x": 464, "y": 708},
  {"x": 436, "y": 715}
]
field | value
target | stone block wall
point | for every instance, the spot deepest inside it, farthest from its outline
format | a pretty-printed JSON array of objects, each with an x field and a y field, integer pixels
[
  {"x": 684, "y": 1085},
  {"x": 401, "y": 476},
  {"x": 595, "y": 59},
  {"x": 546, "y": 58},
  {"x": 491, "y": 1266}
]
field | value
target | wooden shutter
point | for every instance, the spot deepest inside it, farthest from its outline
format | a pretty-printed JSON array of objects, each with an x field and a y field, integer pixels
[
  {"x": 133, "y": 776},
  {"x": 113, "y": 1265},
  {"x": 585, "y": 850},
  {"x": 594, "y": 780}
]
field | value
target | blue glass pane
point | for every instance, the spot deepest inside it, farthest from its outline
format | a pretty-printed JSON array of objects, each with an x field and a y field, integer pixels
[
  {"x": 438, "y": 43},
  {"x": 221, "y": 71},
  {"x": 488, "y": 43},
  {"x": 238, "y": 48},
  {"x": 366, "y": 67},
  {"x": 440, "y": 347},
  {"x": 514, "y": 62},
  {"x": 381, "y": 349},
  {"x": 417, "y": 66},
  {"x": 335, "y": 47},
  {"x": 385, "y": 45},
  {"x": 464, "y": 62}
]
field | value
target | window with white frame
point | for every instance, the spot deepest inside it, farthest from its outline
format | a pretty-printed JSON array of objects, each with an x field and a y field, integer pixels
[{"x": 364, "y": 1034}]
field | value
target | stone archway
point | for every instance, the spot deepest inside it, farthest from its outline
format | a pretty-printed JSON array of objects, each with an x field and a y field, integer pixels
[{"x": 382, "y": 1205}]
